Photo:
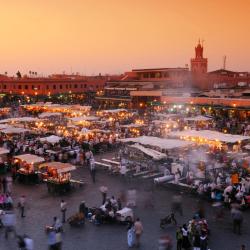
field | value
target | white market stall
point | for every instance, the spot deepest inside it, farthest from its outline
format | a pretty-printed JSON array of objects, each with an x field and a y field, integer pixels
[
  {"x": 208, "y": 137},
  {"x": 27, "y": 167},
  {"x": 150, "y": 152},
  {"x": 57, "y": 176},
  {"x": 160, "y": 143},
  {"x": 198, "y": 118},
  {"x": 49, "y": 114},
  {"x": 14, "y": 130},
  {"x": 53, "y": 139}
]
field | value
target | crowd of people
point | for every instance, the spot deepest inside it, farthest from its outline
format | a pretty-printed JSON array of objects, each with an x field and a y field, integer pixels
[{"x": 227, "y": 185}]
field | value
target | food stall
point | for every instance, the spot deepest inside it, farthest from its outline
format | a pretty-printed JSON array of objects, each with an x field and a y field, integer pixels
[
  {"x": 28, "y": 164},
  {"x": 52, "y": 139},
  {"x": 57, "y": 176},
  {"x": 209, "y": 137},
  {"x": 3, "y": 158}
]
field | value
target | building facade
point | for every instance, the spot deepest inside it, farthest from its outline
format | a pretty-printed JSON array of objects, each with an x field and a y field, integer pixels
[{"x": 53, "y": 85}]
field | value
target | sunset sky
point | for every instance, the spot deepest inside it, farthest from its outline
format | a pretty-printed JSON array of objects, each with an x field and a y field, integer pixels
[{"x": 113, "y": 36}]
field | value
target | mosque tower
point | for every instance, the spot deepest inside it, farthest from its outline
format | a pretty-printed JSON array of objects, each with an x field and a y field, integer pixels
[{"x": 199, "y": 63}]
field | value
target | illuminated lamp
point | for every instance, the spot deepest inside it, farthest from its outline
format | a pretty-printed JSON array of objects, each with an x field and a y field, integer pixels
[{"x": 234, "y": 105}]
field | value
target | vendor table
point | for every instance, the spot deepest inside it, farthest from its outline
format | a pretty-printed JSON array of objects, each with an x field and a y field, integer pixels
[
  {"x": 27, "y": 178},
  {"x": 58, "y": 187}
]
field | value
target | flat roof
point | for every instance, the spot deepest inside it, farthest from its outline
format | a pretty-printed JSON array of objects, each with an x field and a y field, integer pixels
[{"x": 159, "y": 69}]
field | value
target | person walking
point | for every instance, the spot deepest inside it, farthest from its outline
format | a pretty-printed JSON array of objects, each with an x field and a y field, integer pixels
[
  {"x": 185, "y": 240},
  {"x": 131, "y": 235},
  {"x": 63, "y": 206},
  {"x": 138, "y": 231},
  {"x": 237, "y": 220},
  {"x": 29, "y": 243},
  {"x": 52, "y": 241},
  {"x": 179, "y": 239},
  {"x": 22, "y": 202},
  {"x": 9, "y": 222},
  {"x": 203, "y": 241},
  {"x": 197, "y": 241},
  {"x": 92, "y": 169},
  {"x": 104, "y": 191}
]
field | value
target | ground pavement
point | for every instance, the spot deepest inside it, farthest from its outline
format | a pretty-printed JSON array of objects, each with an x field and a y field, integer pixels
[{"x": 42, "y": 207}]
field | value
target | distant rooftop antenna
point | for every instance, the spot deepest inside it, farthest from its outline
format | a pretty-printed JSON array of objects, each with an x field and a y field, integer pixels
[{"x": 224, "y": 62}]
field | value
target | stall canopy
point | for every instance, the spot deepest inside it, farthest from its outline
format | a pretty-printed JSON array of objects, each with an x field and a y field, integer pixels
[
  {"x": 199, "y": 118},
  {"x": 30, "y": 159},
  {"x": 51, "y": 139},
  {"x": 84, "y": 118},
  {"x": 114, "y": 110},
  {"x": 19, "y": 119},
  {"x": 168, "y": 116},
  {"x": 4, "y": 151},
  {"x": 49, "y": 114},
  {"x": 14, "y": 130},
  {"x": 3, "y": 126},
  {"x": 132, "y": 125},
  {"x": 58, "y": 166},
  {"x": 150, "y": 152},
  {"x": 209, "y": 135},
  {"x": 158, "y": 142}
]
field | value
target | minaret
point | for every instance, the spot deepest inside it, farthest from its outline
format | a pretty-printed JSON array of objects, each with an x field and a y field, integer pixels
[{"x": 199, "y": 63}]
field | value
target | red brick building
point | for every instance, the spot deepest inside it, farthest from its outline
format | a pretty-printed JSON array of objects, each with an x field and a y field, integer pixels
[{"x": 55, "y": 84}]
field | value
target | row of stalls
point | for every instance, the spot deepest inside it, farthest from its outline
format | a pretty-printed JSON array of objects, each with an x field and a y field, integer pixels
[
  {"x": 32, "y": 169},
  {"x": 187, "y": 155}
]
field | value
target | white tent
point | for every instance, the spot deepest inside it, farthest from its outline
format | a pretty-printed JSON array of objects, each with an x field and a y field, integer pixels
[
  {"x": 29, "y": 158},
  {"x": 132, "y": 125},
  {"x": 4, "y": 151},
  {"x": 114, "y": 110},
  {"x": 158, "y": 142},
  {"x": 51, "y": 139},
  {"x": 84, "y": 118},
  {"x": 49, "y": 114},
  {"x": 19, "y": 119},
  {"x": 13, "y": 130},
  {"x": 210, "y": 135},
  {"x": 198, "y": 118},
  {"x": 168, "y": 116},
  {"x": 4, "y": 126},
  {"x": 85, "y": 131},
  {"x": 150, "y": 152}
]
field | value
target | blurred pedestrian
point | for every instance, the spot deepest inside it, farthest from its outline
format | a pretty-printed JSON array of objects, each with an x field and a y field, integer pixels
[
  {"x": 203, "y": 241},
  {"x": 9, "y": 222},
  {"x": 179, "y": 238},
  {"x": 138, "y": 231},
  {"x": 92, "y": 169},
  {"x": 21, "y": 205},
  {"x": 63, "y": 206},
  {"x": 104, "y": 191},
  {"x": 177, "y": 204},
  {"x": 131, "y": 235},
  {"x": 237, "y": 220},
  {"x": 185, "y": 239},
  {"x": 29, "y": 244}
]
